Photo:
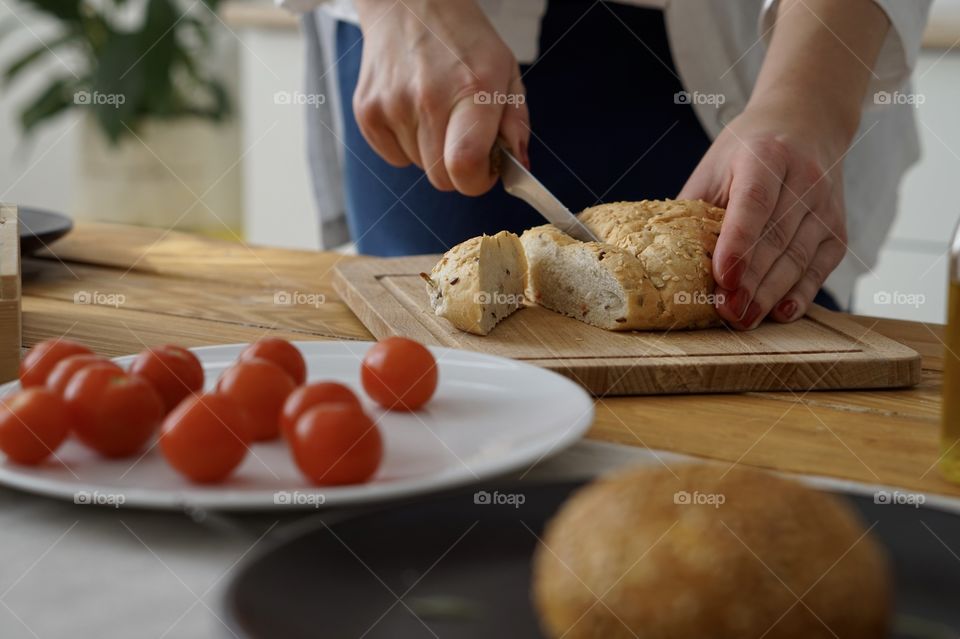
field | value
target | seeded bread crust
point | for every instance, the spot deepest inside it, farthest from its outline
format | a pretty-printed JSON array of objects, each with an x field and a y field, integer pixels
[
  {"x": 669, "y": 283},
  {"x": 479, "y": 282}
]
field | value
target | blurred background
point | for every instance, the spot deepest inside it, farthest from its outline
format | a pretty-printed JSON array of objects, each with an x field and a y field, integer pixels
[{"x": 219, "y": 141}]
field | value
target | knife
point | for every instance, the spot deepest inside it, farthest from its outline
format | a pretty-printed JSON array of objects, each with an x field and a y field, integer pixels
[{"x": 519, "y": 182}]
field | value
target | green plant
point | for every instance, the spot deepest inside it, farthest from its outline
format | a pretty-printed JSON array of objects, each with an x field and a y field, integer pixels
[{"x": 126, "y": 74}]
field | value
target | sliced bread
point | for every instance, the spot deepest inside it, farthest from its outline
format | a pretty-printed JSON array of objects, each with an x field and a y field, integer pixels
[
  {"x": 595, "y": 283},
  {"x": 654, "y": 273},
  {"x": 479, "y": 282}
]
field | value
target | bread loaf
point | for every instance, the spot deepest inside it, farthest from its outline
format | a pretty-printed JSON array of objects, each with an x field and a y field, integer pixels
[
  {"x": 706, "y": 551},
  {"x": 479, "y": 282},
  {"x": 651, "y": 270}
]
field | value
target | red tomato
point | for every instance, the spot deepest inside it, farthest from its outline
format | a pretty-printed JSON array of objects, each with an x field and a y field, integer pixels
[
  {"x": 113, "y": 413},
  {"x": 260, "y": 388},
  {"x": 66, "y": 368},
  {"x": 41, "y": 359},
  {"x": 33, "y": 423},
  {"x": 399, "y": 373},
  {"x": 173, "y": 371},
  {"x": 280, "y": 352},
  {"x": 336, "y": 444},
  {"x": 306, "y": 397},
  {"x": 205, "y": 437}
]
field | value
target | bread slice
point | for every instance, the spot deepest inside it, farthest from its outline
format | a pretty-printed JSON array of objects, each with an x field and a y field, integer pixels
[
  {"x": 652, "y": 269},
  {"x": 479, "y": 282},
  {"x": 595, "y": 283}
]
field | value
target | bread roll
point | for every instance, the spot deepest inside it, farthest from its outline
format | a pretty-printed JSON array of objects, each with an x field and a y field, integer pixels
[
  {"x": 668, "y": 283},
  {"x": 707, "y": 551},
  {"x": 479, "y": 282}
]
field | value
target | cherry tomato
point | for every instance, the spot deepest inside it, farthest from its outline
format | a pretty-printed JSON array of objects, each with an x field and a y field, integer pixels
[
  {"x": 113, "y": 413},
  {"x": 41, "y": 359},
  {"x": 33, "y": 423},
  {"x": 260, "y": 388},
  {"x": 205, "y": 437},
  {"x": 66, "y": 368},
  {"x": 280, "y": 352},
  {"x": 336, "y": 443},
  {"x": 306, "y": 397},
  {"x": 399, "y": 373},
  {"x": 173, "y": 371}
]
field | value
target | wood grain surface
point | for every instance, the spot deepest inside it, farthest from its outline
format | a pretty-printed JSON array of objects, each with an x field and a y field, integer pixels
[
  {"x": 222, "y": 290},
  {"x": 9, "y": 293},
  {"x": 821, "y": 351}
]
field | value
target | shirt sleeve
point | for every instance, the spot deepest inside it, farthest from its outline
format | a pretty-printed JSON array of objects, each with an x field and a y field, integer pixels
[{"x": 898, "y": 55}]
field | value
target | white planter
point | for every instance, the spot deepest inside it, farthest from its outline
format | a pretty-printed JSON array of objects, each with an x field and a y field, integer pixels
[{"x": 182, "y": 173}]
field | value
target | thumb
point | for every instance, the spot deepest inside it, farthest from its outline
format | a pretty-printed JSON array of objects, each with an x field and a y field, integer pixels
[{"x": 699, "y": 186}]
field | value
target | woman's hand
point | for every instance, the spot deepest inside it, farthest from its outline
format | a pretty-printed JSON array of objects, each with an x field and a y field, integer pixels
[
  {"x": 784, "y": 231},
  {"x": 777, "y": 166},
  {"x": 437, "y": 86}
]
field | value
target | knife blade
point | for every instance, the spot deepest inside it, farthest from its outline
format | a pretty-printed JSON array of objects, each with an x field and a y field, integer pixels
[{"x": 519, "y": 182}]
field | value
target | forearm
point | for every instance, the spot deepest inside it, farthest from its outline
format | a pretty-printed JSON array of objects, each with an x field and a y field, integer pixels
[{"x": 820, "y": 61}]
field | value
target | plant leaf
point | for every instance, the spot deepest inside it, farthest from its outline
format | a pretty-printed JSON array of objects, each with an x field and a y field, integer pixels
[
  {"x": 57, "y": 97},
  {"x": 18, "y": 65},
  {"x": 66, "y": 10},
  {"x": 118, "y": 86},
  {"x": 158, "y": 40}
]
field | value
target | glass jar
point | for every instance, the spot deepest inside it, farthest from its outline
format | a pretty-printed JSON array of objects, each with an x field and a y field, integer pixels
[{"x": 950, "y": 411}]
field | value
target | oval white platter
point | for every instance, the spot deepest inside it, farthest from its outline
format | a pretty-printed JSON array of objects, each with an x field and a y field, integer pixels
[{"x": 489, "y": 416}]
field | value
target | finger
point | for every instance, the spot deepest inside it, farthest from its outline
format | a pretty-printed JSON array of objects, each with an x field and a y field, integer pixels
[
  {"x": 401, "y": 119},
  {"x": 434, "y": 116},
  {"x": 376, "y": 131},
  {"x": 796, "y": 201},
  {"x": 795, "y": 303},
  {"x": 515, "y": 123},
  {"x": 406, "y": 134},
  {"x": 754, "y": 192},
  {"x": 471, "y": 132},
  {"x": 786, "y": 271}
]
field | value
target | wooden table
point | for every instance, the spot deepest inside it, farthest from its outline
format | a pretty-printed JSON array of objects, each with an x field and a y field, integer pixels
[{"x": 118, "y": 289}]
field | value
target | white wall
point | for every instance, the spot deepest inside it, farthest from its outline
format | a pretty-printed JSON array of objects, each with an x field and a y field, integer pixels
[
  {"x": 37, "y": 170},
  {"x": 279, "y": 205}
]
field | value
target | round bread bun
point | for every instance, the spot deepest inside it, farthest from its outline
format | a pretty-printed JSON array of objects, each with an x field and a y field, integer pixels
[{"x": 702, "y": 550}]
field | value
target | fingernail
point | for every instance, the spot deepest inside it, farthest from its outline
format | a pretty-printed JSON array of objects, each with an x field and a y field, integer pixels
[
  {"x": 751, "y": 316},
  {"x": 787, "y": 309},
  {"x": 733, "y": 272},
  {"x": 739, "y": 301}
]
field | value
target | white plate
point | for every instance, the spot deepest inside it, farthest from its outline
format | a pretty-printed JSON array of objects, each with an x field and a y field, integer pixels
[{"x": 490, "y": 415}]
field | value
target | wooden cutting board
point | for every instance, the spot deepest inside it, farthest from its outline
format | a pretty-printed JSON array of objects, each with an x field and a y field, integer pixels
[
  {"x": 9, "y": 293},
  {"x": 824, "y": 350}
]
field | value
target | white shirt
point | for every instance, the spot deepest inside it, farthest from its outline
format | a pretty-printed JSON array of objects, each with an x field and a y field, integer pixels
[{"x": 718, "y": 47}]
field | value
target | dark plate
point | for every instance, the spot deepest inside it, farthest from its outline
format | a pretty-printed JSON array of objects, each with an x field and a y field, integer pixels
[
  {"x": 39, "y": 228},
  {"x": 462, "y": 570}
]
